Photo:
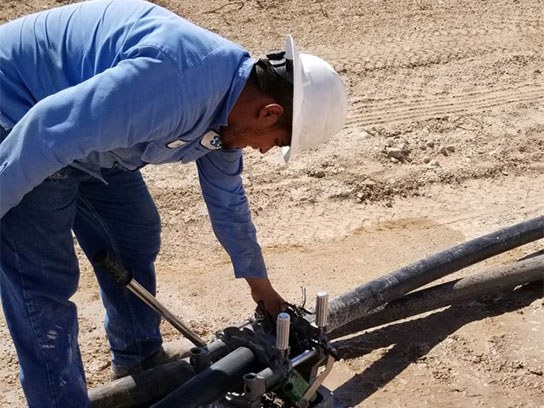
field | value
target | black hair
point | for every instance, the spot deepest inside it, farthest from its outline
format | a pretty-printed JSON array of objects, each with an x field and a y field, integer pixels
[{"x": 273, "y": 76}]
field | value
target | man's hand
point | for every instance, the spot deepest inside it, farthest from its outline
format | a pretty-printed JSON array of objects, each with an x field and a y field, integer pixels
[{"x": 263, "y": 293}]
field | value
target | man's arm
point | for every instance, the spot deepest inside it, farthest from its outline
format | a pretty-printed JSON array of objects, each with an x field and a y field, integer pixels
[
  {"x": 262, "y": 291},
  {"x": 221, "y": 182},
  {"x": 120, "y": 107}
]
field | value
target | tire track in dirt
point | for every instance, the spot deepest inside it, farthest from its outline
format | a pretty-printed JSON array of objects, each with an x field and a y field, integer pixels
[
  {"x": 441, "y": 46},
  {"x": 412, "y": 49},
  {"x": 376, "y": 112}
]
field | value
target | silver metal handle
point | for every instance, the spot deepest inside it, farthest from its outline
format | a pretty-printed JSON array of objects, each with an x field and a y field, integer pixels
[
  {"x": 154, "y": 304},
  {"x": 322, "y": 309},
  {"x": 282, "y": 331}
]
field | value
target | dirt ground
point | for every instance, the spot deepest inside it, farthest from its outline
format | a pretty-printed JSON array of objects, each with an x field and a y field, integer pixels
[{"x": 444, "y": 142}]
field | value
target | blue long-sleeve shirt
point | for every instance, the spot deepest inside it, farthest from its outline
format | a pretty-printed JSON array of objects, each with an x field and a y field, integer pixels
[{"x": 124, "y": 83}]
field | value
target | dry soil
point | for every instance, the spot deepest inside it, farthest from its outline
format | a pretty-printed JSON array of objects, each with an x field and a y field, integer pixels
[{"x": 444, "y": 142}]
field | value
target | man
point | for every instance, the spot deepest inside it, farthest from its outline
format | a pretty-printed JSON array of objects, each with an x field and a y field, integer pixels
[{"x": 92, "y": 92}]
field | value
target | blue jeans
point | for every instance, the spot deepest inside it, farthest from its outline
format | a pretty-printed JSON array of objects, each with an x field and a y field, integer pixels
[{"x": 39, "y": 273}]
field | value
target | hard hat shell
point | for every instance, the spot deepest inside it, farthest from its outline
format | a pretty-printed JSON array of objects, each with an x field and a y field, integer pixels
[{"x": 319, "y": 101}]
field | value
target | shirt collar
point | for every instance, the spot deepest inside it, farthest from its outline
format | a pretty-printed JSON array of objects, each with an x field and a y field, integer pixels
[{"x": 238, "y": 83}]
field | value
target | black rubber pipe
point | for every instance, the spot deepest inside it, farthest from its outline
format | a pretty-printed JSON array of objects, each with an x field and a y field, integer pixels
[
  {"x": 358, "y": 302},
  {"x": 142, "y": 389},
  {"x": 213, "y": 383},
  {"x": 149, "y": 386},
  {"x": 490, "y": 282}
]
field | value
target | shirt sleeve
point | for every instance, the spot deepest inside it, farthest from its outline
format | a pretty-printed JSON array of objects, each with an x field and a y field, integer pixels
[
  {"x": 221, "y": 182},
  {"x": 120, "y": 107}
]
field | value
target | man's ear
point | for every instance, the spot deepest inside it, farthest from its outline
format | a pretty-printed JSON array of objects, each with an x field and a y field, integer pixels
[{"x": 271, "y": 112}]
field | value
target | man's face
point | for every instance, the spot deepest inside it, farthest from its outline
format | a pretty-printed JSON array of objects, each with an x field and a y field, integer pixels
[{"x": 260, "y": 139}]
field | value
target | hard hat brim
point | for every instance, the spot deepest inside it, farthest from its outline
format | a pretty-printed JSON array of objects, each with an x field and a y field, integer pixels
[{"x": 292, "y": 53}]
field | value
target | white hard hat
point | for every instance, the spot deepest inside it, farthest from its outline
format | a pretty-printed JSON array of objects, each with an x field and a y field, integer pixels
[{"x": 320, "y": 102}]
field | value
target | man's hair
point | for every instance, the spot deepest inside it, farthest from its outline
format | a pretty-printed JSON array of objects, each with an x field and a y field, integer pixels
[{"x": 271, "y": 83}]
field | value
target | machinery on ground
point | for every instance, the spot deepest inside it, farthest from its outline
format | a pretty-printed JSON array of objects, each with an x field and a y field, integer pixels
[{"x": 282, "y": 364}]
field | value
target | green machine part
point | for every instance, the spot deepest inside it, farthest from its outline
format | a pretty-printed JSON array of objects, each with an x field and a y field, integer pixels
[{"x": 294, "y": 386}]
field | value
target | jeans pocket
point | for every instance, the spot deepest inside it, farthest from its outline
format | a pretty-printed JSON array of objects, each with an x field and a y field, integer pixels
[{"x": 67, "y": 173}]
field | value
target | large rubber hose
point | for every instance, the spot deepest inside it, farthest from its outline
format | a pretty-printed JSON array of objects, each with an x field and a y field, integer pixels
[
  {"x": 150, "y": 386},
  {"x": 490, "y": 282},
  {"x": 212, "y": 383},
  {"x": 142, "y": 389},
  {"x": 358, "y": 302}
]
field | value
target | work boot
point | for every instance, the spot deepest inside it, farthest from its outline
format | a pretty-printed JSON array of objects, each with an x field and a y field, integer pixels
[{"x": 166, "y": 354}]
